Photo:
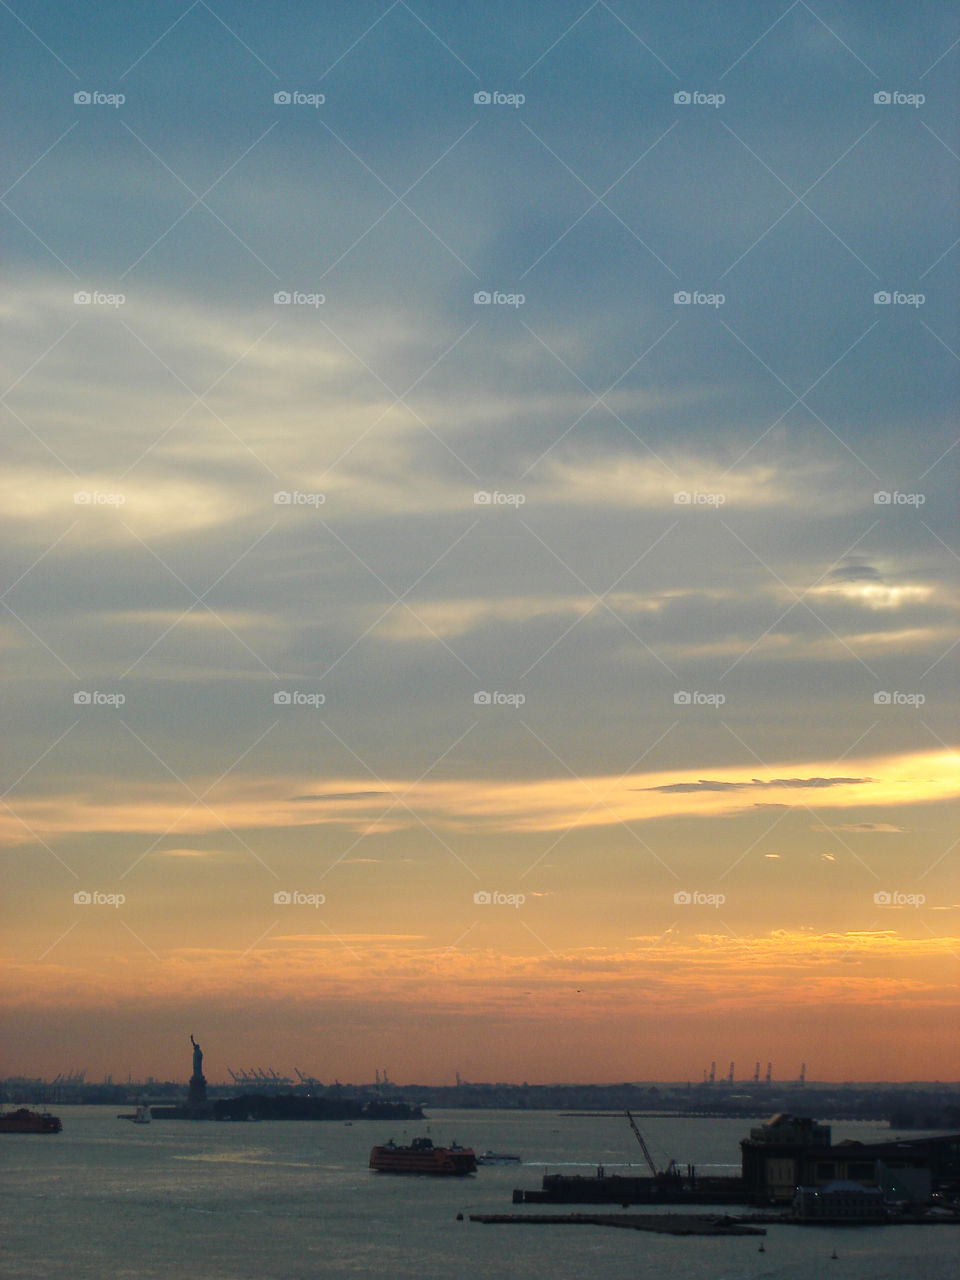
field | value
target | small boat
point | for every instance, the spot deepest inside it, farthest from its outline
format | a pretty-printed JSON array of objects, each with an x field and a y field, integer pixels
[
  {"x": 140, "y": 1116},
  {"x": 26, "y": 1121},
  {"x": 421, "y": 1156},
  {"x": 498, "y": 1157}
]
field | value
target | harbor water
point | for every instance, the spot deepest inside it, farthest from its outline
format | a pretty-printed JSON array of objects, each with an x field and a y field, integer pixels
[{"x": 275, "y": 1200}]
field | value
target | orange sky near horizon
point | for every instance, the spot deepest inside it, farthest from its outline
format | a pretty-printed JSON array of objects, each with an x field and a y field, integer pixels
[
  {"x": 578, "y": 961},
  {"x": 857, "y": 1005}
]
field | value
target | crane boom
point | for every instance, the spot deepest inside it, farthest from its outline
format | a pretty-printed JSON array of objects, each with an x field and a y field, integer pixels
[{"x": 643, "y": 1146}]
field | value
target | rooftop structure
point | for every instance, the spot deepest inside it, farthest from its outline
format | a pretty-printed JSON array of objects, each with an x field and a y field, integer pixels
[
  {"x": 840, "y": 1201},
  {"x": 790, "y": 1153}
]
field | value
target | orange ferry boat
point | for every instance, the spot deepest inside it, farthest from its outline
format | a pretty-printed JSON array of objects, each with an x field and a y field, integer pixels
[{"x": 423, "y": 1157}]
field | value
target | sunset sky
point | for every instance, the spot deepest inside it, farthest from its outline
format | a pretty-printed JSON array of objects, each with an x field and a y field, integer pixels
[{"x": 480, "y": 572}]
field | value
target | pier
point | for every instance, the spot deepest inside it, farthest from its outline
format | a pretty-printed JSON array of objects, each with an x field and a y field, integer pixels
[{"x": 672, "y": 1224}]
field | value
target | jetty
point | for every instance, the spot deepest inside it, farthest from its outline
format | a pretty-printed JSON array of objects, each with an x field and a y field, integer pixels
[{"x": 671, "y": 1224}]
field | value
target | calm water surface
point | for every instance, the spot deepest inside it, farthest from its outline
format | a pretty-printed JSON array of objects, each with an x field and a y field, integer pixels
[{"x": 286, "y": 1201}]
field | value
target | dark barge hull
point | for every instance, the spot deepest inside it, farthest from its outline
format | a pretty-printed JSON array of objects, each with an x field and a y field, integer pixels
[{"x": 616, "y": 1189}]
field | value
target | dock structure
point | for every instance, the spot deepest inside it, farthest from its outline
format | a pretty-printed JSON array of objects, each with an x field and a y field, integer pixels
[
  {"x": 613, "y": 1188},
  {"x": 849, "y": 1180},
  {"x": 672, "y": 1224}
]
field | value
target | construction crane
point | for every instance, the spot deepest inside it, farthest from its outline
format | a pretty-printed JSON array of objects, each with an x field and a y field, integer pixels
[
  {"x": 643, "y": 1146},
  {"x": 670, "y": 1174}
]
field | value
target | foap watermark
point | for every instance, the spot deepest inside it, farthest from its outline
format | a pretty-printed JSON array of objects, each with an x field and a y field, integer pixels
[
  {"x": 494, "y": 98},
  {"x": 886, "y": 498},
  {"x": 94, "y": 498},
  {"x": 94, "y": 898},
  {"x": 694, "y": 98},
  {"x": 494, "y": 498},
  {"x": 894, "y": 898},
  {"x": 296, "y": 298},
  {"x": 94, "y": 98},
  {"x": 294, "y": 498},
  {"x": 495, "y": 898},
  {"x": 894, "y": 98},
  {"x": 494, "y": 698},
  {"x": 897, "y": 298},
  {"x": 296, "y": 898},
  {"x": 694, "y": 698},
  {"x": 697, "y": 898},
  {"x": 294, "y": 98},
  {"x": 697, "y": 298},
  {"x": 897, "y": 699},
  {"x": 94, "y": 698},
  {"x": 686, "y": 498},
  {"x": 497, "y": 298},
  {"x": 294, "y": 698},
  {"x": 94, "y": 298}
]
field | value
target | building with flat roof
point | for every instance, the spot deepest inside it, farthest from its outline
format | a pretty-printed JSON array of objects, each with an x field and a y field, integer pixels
[
  {"x": 791, "y": 1153},
  {"x": 839, "y": 1202}
]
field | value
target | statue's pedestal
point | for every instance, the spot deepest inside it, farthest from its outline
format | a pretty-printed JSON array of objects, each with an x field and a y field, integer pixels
[
  {"x": 197, "y": 1107},
  {"x": 197, "y": 1094}
]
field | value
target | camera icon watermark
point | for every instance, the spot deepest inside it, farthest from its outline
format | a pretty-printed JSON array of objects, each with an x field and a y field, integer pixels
[
  {"x": 497, "y": 298},
  {"x": 894, "y": 498},
  {"x": 684, "y": 498},
  {"x": 483, "y": 698},
  {"x": 296, "y": 898},
  {"x": 698, "y": 298},
  {"x": 94, "y": 698},
  {"x": 894, "y": 898},
  {"x": 486, "y": 98},
  {"x": 694, "y": 698},
  {"x": 495, "y": 898},
  {"x": 697, "y": 898},
  {"x": 898, "y": 298},
  {"x": 297, "y": 298},
  {"x": 94, "y": 298},
  {"x": 884, "y": 698},
  {"x": 94, "y": 98},
  {"x": 94, "y": 498},
  {"x": 94, "y": 898},
  {"x": 688, "y": 98},
  {"x": 294, "y": 698},
  {"x": 294, "y": 498},
  {"x": 294, "y": 98},
  {"x": 494, "y": 498}
]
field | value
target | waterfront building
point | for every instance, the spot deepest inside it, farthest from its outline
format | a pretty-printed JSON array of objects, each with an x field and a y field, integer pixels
[
  {"x": 790, "y": 1153},
  {"x": 840, "y": 1201}
]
